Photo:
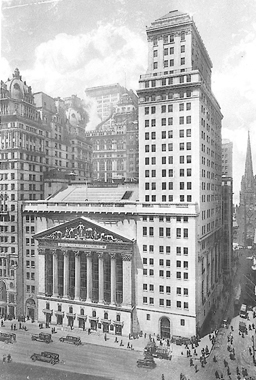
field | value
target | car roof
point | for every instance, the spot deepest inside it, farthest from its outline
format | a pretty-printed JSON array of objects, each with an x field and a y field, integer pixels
[{"x": 73, "y": 337}]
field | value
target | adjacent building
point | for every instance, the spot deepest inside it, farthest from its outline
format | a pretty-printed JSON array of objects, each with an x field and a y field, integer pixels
[
  {"x": 38, "y": 141},
  {"x": 227, "y": 158}
]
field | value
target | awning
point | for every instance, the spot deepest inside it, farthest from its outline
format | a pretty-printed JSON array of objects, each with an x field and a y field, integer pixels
[
  {"x": 71, "y": 315},
  {"x": 107, "y": 321},
  {"x": 57, "y": 312},
  {"x": 118, "y": 323},
  {"x": 96, "y": 319},
  {"x": 47, "y": 311},
  {"x": 82, "y": 316}
]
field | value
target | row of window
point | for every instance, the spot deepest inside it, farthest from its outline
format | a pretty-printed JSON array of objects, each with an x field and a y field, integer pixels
[
  {"x": 166, "y": 249},
  {"x": 183, "y": 185},
  {"x": 166, "y": 274},
  {"x": 165, "y": 289},
  {"x": 162, "y": 302},
  {"x": 164, "y": 198},
  {"x": 188, "y": 172},
  {"x": 168, "y": 121},
  {"x": 166, "y": 263},
  {"x": 149, "y": 231},
  {"x": 168, "y": 108}
]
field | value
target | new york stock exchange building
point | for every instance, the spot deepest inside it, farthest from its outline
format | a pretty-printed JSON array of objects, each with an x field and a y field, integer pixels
[{"x": 105, "y": 262}]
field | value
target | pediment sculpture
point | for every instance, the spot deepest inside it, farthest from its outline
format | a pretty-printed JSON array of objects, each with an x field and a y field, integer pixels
[{"x": 82, "y": 232}]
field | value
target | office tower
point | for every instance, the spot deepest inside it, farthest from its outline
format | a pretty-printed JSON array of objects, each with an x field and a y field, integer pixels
[
  {"x": 39, "y": 145},
  {"x": 180, "y": 179},
  {"x": 227, "y": 158}
]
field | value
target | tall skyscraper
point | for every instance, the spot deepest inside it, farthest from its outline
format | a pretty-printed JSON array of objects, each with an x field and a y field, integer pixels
[{"x": 180, "y": 178}]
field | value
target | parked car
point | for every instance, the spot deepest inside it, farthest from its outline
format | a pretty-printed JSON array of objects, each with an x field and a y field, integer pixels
[
  {"x": 242, "y": 327},
  {"x": 48, "y": 357},
  {"x": 42, "y": 337},
  {"x": 147, "y": 362},
  {"x": 157, "y": 351},
  {"x": 71, "y": 339},
  {"x": 7, "y": 337}
]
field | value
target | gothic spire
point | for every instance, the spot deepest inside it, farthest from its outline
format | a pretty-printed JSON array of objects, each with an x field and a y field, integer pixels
[{"x": 248, "y": 174}]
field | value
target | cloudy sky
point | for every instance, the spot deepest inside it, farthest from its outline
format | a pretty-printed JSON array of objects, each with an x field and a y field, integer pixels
[{"x": 64, "y": 46}]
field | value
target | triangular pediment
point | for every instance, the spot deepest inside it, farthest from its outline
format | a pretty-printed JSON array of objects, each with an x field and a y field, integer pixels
[{"x": 81, "y": 229}]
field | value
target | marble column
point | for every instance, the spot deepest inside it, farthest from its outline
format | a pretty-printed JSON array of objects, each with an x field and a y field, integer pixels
[
  {"x": 66, "y": 274},
  {"x": 77, "y": 275},
  {"x": 89, "y": 277},
  {"x": 41, "y": 272},
  {"x": 127, "y": 277},
  {"x": 101, "y": 277},
  {"x": 55, "y": 272},
  {"x": 113, "y": 278}
]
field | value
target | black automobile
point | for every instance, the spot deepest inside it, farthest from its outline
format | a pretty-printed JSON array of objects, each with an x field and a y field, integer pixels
[
  {"x": 147, "y": 362},
  {"x": 47, "y": 357},
  {"x": 42, "y": 337},
  {"x": 71, "y": 339}
]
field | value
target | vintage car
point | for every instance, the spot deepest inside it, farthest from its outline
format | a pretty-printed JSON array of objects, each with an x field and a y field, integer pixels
[
  {"x": 42, "y": 337},
  {"x": 48, "y": 357},
  {"x": 147, "y": 362},
  {"x": 71, "y": 339},
  {"x": 242, "y": 327},
  {"x": 157, "y": 351},
  {"x": 7, "y": 337}
]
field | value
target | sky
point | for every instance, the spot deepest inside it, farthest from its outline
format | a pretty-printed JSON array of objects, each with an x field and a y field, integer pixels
[{"x": 61, "y": 47}]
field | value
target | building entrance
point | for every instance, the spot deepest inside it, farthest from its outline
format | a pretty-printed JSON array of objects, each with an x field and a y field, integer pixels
[{"x": 165, "y": 328}]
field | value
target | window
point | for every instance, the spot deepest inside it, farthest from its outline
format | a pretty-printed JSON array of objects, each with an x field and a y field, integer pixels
[
  {"x": 146, "y": 110},
  {"x": 163, "y": 122},
  {"x": 170, "y": 108},
  {"x": 161, "y": 262},
  {"x": 155, "y": 53},
  {"x": 178, "y": 233},
  {"x": 185, "y": 276},
  {"x": 168, "y": 289},
  {"x": 188, "y": 119},
  {"x": 145, "y": 299},
  {"x": 161, "y": 288},
  {"x": 151, "y": 301},
  {"x": 178, "y": 264},
  {"x": 171, "y": 62},
  {"x": 182, "y": 322},
  {"x": 165, "y": 63},
  {"x": 161, "y": 232},
  {"x": 161, "y": 302},
  {"x": 168, "y": 303},
  {"x": 182, "y": 49},
  {"x": 179, "y": 304},
  {"x": 148, "y": 317},
  {"x": 151, "y": 231},
  {"x": 182, "y": 61},
  {"x": 185, "y": 291},
  {"x": 153, "y": 122},
  {"x": 163, "y": 108},
  {"x": 145, "y": 231},
  {"x": 182, "y": 134},
  {"x": 185, "y": 305},
  {"x": 188, "y": 132},
  {"x": 181, "y": 107},
  {"x": 178, "y": 291},
  {"x": 188, "y": 106},
  {"x": 161, "y": 273},
  {"x": 181, "y": 120},
  {"x": 185, "y": 233},
  {"x": 185, "y": 251},
  {"x": 155, "y": 66},
  {"x": 153, "y": 109}
]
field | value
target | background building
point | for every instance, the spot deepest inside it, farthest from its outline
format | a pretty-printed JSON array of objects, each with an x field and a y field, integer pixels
[
  {"x": 116, "y": 148},
  {"x": 38, "y": 140},
  {"x": 227, "y": 158},
  {"x": 245, "y": 212}
]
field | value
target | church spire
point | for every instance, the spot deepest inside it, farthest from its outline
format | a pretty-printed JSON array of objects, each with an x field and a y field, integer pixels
[{"x": 248, "y": 174}]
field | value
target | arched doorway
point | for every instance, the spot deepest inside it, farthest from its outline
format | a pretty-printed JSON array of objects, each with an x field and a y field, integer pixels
[
  {"x": 165, "y": 329},
  {"x": 3, "y": 299},
  {"x": 30, "y": 309}
]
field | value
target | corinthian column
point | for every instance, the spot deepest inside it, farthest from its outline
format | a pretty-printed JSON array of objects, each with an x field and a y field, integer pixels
[
  {"x": 66, "y": 274},
  {"x": 113, "y": 278},
  {"x": 89, "y": 277},
  {"x": 101, "y": 278},
  {"x": 55, "y": 272},
  {"x": 127, "y": 276},
  {"x": 77, "y": 275}
]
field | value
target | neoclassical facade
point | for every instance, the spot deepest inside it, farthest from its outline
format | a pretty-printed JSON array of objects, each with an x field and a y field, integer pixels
[{"x": 85, "y": 278}]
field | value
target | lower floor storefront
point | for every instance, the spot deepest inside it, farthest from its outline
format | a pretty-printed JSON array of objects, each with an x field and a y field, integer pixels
[{"x": 105, "y": 318}]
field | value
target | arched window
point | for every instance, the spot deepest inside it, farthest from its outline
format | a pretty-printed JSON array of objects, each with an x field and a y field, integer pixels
[
  {"x": 70, "y": 309},
  {"x": 105, "y": 315},
  {"x": 82, "y": 311},
  {"x": 94, "y": 314}
]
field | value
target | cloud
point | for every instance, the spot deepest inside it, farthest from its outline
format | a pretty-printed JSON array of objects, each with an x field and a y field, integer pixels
[
  {"x": 235, "y": 89},
  {"x": 69, "y": 64}
]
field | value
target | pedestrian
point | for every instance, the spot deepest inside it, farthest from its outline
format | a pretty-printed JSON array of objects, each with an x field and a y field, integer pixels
[
  {"x": 12, "y": 326},
  {"x": 217, "y": 375},
  {"x": 105, "y": 337},
  {"x": 4, "y": 358},
  {"x": 253, "y": 326},
  {"x": 116, "y": 341},
  {"x": 195, "y": 353},
  {"x": 121, "y": 343},
  {"x": 232, "y": 328},
  {"x": 196, "y": 369},
  {"x": 20, "y": 325},
  {"x": 250, "y": 351},
  {"x": 128, "y": 345},
  {"x": 228, "y": 371},
  {"x": 132, "y": 347},
  {"x": 162, "y": 376},
  {"x": 237, "y": 371}
]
